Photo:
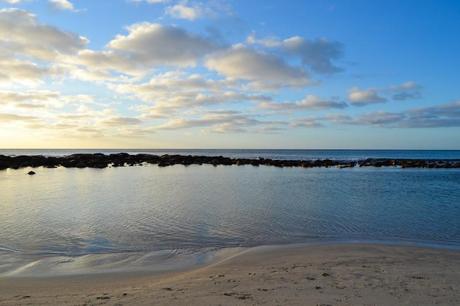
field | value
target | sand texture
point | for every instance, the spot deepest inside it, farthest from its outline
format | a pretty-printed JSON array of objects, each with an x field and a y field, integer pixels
[{"x": 341, "y": 274}]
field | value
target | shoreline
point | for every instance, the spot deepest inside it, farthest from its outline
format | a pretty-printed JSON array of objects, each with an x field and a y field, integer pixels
[
  {"x": 55, "y": 265},
  {"x": 100, "y": 161},
  {"x": 335, "y": 274}
]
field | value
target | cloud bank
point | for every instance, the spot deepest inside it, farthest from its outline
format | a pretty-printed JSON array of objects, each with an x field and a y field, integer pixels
[{"x": 155, "y": 78}]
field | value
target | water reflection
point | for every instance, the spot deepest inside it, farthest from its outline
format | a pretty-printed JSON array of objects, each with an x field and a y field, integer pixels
[{"x": 84, "y": 211}]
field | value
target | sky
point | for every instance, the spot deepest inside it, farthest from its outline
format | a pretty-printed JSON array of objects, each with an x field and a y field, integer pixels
[{"x": 318, "y": 74}]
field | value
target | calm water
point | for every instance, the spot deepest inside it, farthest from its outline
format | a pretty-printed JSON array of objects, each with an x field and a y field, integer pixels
[{"x": 145, "y": 209}]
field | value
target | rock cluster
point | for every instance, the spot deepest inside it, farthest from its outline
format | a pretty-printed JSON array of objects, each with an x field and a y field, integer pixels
[
  {"x": 410, "y": 163},
  {"x": 100, "y": 160}
]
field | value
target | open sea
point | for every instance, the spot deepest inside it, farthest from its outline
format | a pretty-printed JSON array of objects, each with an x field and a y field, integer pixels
[{"x": 64, "y": 221}]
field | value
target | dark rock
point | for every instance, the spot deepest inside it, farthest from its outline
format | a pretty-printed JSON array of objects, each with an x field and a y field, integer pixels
[
  {"x": 101, "y": 161},
  {"x": 31, "y": 173}
]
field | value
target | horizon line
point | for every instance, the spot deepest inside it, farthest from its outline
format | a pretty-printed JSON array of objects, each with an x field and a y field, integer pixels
[{"x": 247, "y": 149}]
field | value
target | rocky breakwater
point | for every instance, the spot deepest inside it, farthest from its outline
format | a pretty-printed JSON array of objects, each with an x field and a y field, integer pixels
[
  {"x": 101, "y": 161},
  {"x": 410, "y": 163}
]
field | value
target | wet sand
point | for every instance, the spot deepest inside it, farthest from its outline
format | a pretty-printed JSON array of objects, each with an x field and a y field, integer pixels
[{"x": 340, "y": 274}]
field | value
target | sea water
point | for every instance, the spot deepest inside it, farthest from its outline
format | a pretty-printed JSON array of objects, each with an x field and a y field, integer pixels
[{"x": 61, "y": 213}]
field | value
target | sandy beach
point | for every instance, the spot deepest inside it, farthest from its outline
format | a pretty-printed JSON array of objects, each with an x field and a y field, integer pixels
[{"x": 341, "y": 274}]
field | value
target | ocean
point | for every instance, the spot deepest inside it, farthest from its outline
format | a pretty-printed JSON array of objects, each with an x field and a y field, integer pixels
[{"x": 73, "y": 213}]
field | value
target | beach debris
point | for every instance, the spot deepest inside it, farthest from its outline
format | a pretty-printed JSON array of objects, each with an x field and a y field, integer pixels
[
  {"x": 240, "y": 296},
  {"x": 417, "y": 277}
]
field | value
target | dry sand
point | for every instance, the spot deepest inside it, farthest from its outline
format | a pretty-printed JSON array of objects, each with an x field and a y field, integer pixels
[{"x": 342, "y": 274}]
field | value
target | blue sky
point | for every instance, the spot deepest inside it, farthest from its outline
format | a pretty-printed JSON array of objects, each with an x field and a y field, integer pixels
[{"x": 230, "y": 74}]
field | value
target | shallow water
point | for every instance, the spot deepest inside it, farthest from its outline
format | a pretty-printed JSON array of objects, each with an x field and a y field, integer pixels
[{"x": 142, "y": 209}]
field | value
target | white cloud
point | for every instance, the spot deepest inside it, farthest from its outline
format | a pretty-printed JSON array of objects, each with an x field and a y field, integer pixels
[
  {"x": 360, "y": 97},
  {"x": 155, "y": 44},
  {"x": 29, "y": 49},
  {"x": 173, "y": 82},
  {"x": 146, "y": 46},
  {"x": 14, "y": 71},
  {"x": 261, "y": 69},
  {"x": 64, "y": 5},
  {"x": 81, "y": 122},
  {"x": 170, "y": 92},
  {"x": 135, "y": 66},
  {"x": 98, "y": 65},
  {"x": 22, "y": 34},
  {"x": 184, "y": 11},
  {"x": 270, "y": 42},
  {"x": 192, "y": 10}
]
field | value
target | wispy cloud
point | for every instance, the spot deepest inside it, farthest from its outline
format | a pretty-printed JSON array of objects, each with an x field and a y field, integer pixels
[
  {"x": 318, "y": 55},
  {"x": 443, "y": 115},
  {"x": 406, "y": 91},
  {"x": 223, "y": 122},
  {"x": 150, "y": 1},
  {"x": 361, "y": 97},
  {"x": 185, "y": 11},
  {"x": 64, "y": 5},
  {"x": 409, "y": 90},
  {"x": 310, "y": 102}
]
